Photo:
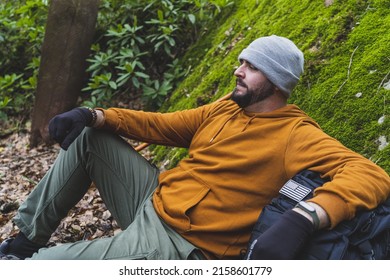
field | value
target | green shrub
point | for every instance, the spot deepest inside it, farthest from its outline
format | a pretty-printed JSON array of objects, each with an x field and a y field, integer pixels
[
  {"x": 22, "y": 26},
  {"x": 139, "y": 44},
  {"x": 136, "y": 49}
]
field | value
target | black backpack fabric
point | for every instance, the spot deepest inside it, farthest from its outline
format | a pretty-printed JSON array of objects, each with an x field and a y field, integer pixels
[{"x": 367, "y": 236}]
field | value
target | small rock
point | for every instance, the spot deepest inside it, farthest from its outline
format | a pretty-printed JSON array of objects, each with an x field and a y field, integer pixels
[
  {"x": 382, "y": 141},
  {"x": 76, "y": 228},
  {"x": 382, "y": 119},
  {"x": 106, "y": 215},
  {"x": 328, "y": 3},
  {"x": 387, "y": 85}
]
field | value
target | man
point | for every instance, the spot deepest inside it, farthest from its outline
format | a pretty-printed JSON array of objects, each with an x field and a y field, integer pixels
[{"x": 241, "y": 152}]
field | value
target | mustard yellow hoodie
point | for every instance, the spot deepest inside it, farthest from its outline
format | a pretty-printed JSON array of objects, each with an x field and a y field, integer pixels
[{"x": 238, "y": 162}]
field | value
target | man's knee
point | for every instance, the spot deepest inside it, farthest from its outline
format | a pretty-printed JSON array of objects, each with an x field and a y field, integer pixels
[
  {"x": 92, "y": 132},
  {"x": 97, "y": 140},
  {"x": 90, "y": 136}
]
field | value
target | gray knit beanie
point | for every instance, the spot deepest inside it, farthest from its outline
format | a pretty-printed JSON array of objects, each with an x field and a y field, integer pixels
[{"x": 278, "y": 59}]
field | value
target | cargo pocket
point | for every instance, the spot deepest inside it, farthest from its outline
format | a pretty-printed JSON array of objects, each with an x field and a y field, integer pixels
[{"x": 152, "y": 255}]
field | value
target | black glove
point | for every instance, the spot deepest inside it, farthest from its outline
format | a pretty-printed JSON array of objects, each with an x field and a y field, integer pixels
[
  {"x": 64, "y": 128},
  {"x": 283, "y": 240}
]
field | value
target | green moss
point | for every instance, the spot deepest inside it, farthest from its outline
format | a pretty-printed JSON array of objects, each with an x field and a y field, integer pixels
[{"x": 346, "y": 47}]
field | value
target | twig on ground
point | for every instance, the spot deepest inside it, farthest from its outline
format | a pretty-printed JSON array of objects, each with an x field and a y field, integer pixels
[
  {"x": 348, "y": 73},
  {"x": 379, "y": 87}
]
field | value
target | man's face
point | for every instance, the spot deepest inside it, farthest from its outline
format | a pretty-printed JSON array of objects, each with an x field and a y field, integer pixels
[{"x": 251, "y": 85}]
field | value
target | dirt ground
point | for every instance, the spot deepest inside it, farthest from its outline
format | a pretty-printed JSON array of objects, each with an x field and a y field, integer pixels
[{"x": 20, "y": 170}]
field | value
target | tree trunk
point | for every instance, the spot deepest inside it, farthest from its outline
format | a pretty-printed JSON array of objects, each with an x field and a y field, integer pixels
[{"x": 69, "y": 33}]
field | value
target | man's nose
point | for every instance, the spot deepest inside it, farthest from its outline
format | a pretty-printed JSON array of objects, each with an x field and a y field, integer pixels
[{"x": 239, "y": 72}]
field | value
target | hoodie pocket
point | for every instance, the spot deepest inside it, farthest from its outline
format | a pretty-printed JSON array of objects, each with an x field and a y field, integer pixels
[
  {"x": 181, "y": 211},
  {"x": 177, "y": 197},
  {"x": 199, "y": 195}
]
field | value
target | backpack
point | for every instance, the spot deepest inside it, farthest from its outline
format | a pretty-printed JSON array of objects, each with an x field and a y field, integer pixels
[{"x": 365, "y": 237}]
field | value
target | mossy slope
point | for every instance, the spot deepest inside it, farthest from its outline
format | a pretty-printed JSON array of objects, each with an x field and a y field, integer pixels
[{"x": 347, "y": 52}]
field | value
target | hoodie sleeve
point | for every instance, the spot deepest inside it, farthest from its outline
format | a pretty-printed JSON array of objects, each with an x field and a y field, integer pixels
[
  {"x": 171, "y": 129},
  {"x": 356, "y": 182}
]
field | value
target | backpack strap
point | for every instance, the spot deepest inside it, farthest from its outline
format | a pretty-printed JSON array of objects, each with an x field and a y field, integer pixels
[{"x": 366, "y": 250}]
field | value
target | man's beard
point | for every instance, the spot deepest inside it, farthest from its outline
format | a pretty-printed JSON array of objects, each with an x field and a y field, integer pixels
[{"x": 252, "y": 96}]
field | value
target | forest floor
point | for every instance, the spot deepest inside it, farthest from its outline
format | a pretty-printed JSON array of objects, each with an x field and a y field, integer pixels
[
  {"x": 20, "y": 170},
  {"x": 22, "y": 167}
]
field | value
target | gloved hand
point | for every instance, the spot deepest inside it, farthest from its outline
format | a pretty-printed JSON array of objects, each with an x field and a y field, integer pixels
[
  {"x": 283, "y": 240},
  {"x": 64, "y": 128}
]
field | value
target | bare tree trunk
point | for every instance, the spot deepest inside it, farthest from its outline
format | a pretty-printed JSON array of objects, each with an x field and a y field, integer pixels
[{"x": 69, "y": 33}]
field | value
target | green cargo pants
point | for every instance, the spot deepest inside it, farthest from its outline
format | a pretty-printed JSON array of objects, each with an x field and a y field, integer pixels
[{"x": 126, "y": 182}]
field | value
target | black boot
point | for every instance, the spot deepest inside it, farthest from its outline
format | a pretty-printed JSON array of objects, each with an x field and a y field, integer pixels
[{"x": 18, "y": 248}]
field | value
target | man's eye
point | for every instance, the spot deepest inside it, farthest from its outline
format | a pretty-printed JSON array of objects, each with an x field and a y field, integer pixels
[{"x": 251, "y": 67}]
